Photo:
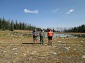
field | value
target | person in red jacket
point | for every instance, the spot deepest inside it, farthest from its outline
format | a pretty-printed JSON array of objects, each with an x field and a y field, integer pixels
[{"x": 50, "y": 36}]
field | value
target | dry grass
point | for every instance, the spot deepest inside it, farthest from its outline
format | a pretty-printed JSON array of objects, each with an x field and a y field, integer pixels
[{"x": 64, "y": 50}]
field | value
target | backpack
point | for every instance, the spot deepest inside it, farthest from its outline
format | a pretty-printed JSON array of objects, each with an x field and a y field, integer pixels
[
  {"x": 35, "y": 33},
  {"x": 41, "y": 34}
]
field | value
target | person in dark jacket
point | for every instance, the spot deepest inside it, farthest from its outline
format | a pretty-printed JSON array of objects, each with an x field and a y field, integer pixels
[{"x": 41, "y": 34}]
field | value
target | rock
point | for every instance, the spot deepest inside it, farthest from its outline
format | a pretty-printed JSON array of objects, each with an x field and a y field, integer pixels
[{"x": 83, "y": 56}]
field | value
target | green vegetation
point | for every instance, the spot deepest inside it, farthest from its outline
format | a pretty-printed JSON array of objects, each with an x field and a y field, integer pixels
[
  {"x": 79, "y": 29},
  {"x": 11, "y": 25}
]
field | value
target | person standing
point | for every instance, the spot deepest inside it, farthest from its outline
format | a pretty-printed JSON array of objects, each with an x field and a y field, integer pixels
[
  {"x": 50, "y": 36},
  {"x": 41, "y": 34},
  {"x": 35, "y": 36}
]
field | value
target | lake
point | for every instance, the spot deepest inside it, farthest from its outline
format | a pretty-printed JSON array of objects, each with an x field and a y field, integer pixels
[{"x": 68, "y": 35}]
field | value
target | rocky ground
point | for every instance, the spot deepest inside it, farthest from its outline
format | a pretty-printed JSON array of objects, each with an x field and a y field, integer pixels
[{"x": 18, "y": 47}]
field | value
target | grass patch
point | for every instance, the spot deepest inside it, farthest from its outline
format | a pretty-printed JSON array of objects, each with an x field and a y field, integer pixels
[{"x": 64, "y": 50}]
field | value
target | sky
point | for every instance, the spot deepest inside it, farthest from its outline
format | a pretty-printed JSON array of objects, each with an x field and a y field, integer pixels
[{"x": 44, "y": 13}]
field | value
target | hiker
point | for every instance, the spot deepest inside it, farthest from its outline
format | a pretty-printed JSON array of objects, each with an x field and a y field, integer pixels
[
  {"x": 50, "y": 36},
  {"x": 35, "y": 36},
  {"x": 41, "y": 34}
]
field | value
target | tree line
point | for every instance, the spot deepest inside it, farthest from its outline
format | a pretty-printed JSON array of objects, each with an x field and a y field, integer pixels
[
  {"x": 78, "y": 29},
  {"x": 14, "y": 25}
]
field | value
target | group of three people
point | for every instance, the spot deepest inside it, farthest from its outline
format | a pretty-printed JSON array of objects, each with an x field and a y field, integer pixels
[{"x": 42, "y": 35}]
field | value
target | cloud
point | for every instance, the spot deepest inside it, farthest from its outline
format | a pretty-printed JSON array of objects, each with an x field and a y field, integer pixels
[
  {"x": 55, "y": 11},
  {"x": 31, "y": 11},
  {"x": 70, "y": 11}
]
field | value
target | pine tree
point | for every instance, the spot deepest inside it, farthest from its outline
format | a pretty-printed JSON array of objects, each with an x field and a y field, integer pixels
[{"x": 12, "y": 26}]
